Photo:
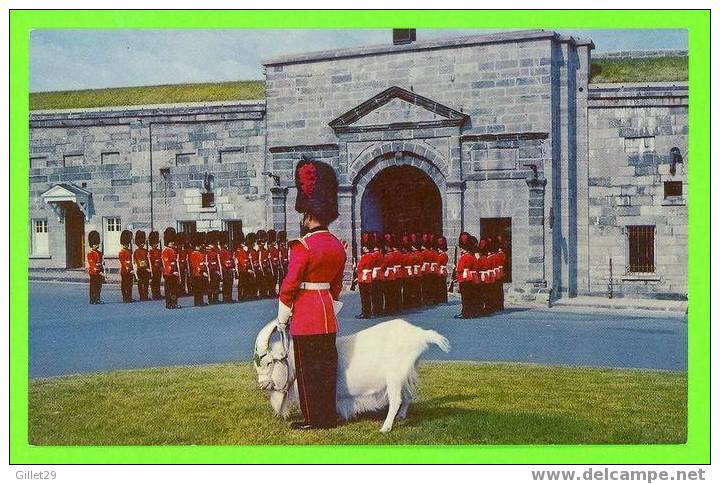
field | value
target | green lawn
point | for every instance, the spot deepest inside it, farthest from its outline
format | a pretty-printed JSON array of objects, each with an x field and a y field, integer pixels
[
  {"x": 133, "y": 96},
  {"x": 457, "y": 403},
  {"x": 651, "y": 69}
]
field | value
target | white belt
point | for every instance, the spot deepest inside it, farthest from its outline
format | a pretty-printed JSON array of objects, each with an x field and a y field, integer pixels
[{"x": 312, "y": 286}]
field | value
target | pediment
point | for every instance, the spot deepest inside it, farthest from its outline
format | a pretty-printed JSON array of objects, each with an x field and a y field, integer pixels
[{"x": 397, "y": 108}]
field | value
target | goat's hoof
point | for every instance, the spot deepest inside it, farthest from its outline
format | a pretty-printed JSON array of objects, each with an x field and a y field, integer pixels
[{"x": 385, "y": 430}]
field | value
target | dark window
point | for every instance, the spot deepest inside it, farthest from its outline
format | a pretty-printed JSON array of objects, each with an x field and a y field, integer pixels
[
  {"x": 641, "y": 248},
  {"x": 187, "y": 227},
  {"x": 673, "y": 189},
  {"x": 208, "y": 200}
]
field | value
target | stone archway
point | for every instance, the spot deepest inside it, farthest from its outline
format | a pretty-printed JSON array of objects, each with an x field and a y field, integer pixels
[{"x": 361, "y": 177}]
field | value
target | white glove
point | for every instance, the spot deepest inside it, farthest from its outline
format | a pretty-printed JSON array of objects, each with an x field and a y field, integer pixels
[{"x": 283, "y": 316}]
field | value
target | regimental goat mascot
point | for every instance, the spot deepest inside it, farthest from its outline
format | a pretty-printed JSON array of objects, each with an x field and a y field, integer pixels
[{"x": 377, "y": 368}]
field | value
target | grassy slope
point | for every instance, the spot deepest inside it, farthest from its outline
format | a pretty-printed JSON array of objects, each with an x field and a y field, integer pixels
[
  {"x": 639, "y": 70},
  {"x": 457, "y": 403},
  {"x": 132, "y": 96},
  {"x": 603, "y": 70}
]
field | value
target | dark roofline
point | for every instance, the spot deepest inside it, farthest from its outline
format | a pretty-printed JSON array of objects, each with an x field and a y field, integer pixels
[{"x": 494, "y": 38}]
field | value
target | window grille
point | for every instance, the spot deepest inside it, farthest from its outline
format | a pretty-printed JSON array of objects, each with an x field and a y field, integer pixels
[{"x": 641, "y": 249}]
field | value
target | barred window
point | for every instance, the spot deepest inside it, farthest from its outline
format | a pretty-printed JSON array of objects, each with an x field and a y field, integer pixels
[{"x": 641, "y": 248}]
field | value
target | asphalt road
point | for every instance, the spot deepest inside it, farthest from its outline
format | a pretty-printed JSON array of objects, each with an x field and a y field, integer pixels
[{"x": 67, "y": 335}]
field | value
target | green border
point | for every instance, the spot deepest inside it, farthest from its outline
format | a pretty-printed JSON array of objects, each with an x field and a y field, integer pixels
[{"x": 696, "y": 450}]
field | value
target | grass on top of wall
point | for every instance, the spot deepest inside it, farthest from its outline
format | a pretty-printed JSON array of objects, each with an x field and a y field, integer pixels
[
  {"x": 457, "y": 403},
  {"x": 134, "y": 96},
  {"x": 650, "y": 69}
]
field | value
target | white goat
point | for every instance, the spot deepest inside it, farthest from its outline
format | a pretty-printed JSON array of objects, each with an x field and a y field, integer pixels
[{"x": 377, "y": 367}]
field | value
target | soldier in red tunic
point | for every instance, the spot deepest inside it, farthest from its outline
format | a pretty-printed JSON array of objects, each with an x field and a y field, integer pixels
[
  {"x": 442, "y": 270},
  {"x": 127, "y": 274},
  {"x": 171, "y": 271},
  {"x": 378, "y": 278},
  {"x": 253, "y": 266},
  {"x": 155, "y": 256},
  {"x": 311, "y": 293},
  {"x": 142, "y": 265},
  {"x": 95, "y": 267},
  {"x": 182, "y": 246},
  {"x": 483, "y": 266},
  {"x": 406, "y": 271},
  {"x": 364, "y": 276},
  {"x": 263, "y": 267},
  {"x": 242, "y": 267},
  {"x": 466, "y": 264},
  {"x": 274, "y": 262},
  {"x": 390, "y": 262},
  {"x": 282, "y": 246},
  {"x": 502, "y": 261},
  {"x": 214, "y": 267},
  {"x": 227, "y": 264},
  {"x": 198, "y": 270}
]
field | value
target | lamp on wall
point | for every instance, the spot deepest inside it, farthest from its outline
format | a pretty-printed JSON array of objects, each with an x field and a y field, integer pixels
[
  {"x": 276, "y": 178},
  {"x": 675, "y": 158}
]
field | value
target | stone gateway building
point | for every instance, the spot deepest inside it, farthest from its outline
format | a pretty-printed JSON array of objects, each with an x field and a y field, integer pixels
[{"x": 492, "y": 134}]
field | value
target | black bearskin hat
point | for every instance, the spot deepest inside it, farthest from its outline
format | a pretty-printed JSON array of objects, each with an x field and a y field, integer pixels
[
  {"x": 180, "y": 239},
  {"x": 441, "y": 243},
  {"x": 365, "y": 240},
  {"x": 261, "y": 236},
  {"x": 388, "y": 240},
  {"x": 272, "y": 236},
  {"x": 406, "y": 241},
  {"x": 473, "y": 247},
  {"x": 317, "y": 190},
  {"x": 250, "y": 239},
  {"x": 225, "y": 238},
  {"x": 282, "y": 236},
  {"x": 169, "y": 235},
  {"x": 154, "y": 238},
  {"x": 126, "y": 237},
  {"x": 94, "y": 238},
  {"x": 140, "y": 238},
  {"x": 464, "y": 241},
  {"x": 211, "y": 238}
]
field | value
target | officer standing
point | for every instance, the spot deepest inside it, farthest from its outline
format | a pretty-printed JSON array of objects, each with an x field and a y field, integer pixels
[
  {"x": 364, "y": 277},
  {"x": 142, "y": 265},
  {"x": 241, "y": 267},
  {"x": 182, "y": 246},
  {"x": 466, "y": 263},
  {"x": 156, "y": 266},
  {"x": 311, "y": 293},
  {"x": 263, "y": 266},
  {"x": 214, "y": 267},
  {"x": 198, "y": 270},
  {"x": 227, "y": 265},
  {"x": 95, "y": 267},
  {"x": 171, "y": 271},
  {"x": 378, "y": 277},
  {"x": 442, "y": 272},
  {"x": 253, "y": 266},
  {"x": 127, "y": 275}
]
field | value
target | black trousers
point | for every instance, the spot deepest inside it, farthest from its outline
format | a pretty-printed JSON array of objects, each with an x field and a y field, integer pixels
[
  {"x": 271, "y": 282},
  {"x": 316, "y": 373},
  {"x": 242, "y": 286},
  {"x": 171, "y": 291},
  {"x": 143, "y": 284},
  {"x": 126, "y": 284},
  {"x": 378, "y": 304},
  {"x": 95, "y": 288},
  {"x": 227, "y": 285},
  {"x": 390, "y": 295},
  {"x": 198, "y": 287},
  {"x": 428, "y": 289},
  {"x": 214, "y": 288},
  {"x": 183, "y": 282},
  {"x": 441, "y": 289},
  {"x": 366, "y": 298},
  {"x": 466, "y": 296},
  {"x": 155, "y": 285}
]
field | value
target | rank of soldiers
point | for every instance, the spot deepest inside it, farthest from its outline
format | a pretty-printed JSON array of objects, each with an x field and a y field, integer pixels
[
  {"x": 200, "y": 264},
  {"x": 396, "y": 273}
]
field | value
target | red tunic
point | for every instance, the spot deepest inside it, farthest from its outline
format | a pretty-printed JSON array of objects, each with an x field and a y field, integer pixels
[
  {"x": 213, "y": 260},
  {"x": 378, "y": 273},
  {"x": 466, "y": 264},
  {"x": 319, "y": 257},
  {"x": 241, "y": 259},
  {"x": 264, "y": 260},
  {"x": 502, "y": 260},
  {"x": 274, "y": 256},
  {"x": 442, "y": 261},
  {"x": 254, "y": 260},
  {"x": 389, "y": 265},
  {"x": 364, "y": 268},
  {"x": 125, "y": 258},
  {"x": 416, "y": 262},
  {"x": 226, "y": 259},
  {"x": 155, "y": 256},
  {"x": 483, "y": 267},
  {"x": 95, "y": 262},
  {"x": 169, "y": 261},
  {"x": 198, "y": 265},
  {"x": 140, "y": 258}
]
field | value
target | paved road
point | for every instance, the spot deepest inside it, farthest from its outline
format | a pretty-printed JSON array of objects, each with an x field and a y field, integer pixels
[{"x": 67, "y": 335}]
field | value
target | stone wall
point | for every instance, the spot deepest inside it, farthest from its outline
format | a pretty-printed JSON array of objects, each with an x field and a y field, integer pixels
[
  {"x": 633, "y": 129},
  {"x": 146, "y": 165}
]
